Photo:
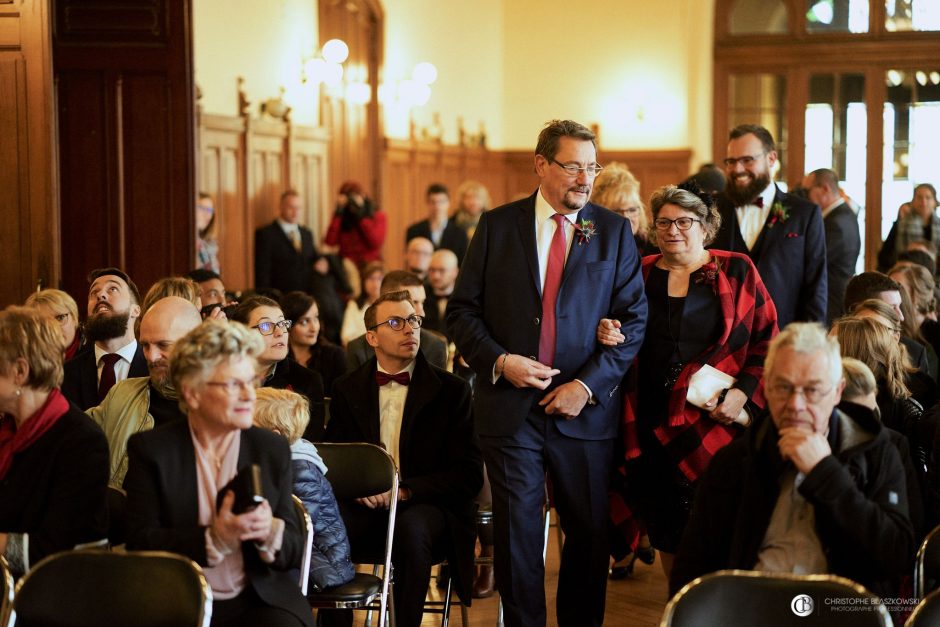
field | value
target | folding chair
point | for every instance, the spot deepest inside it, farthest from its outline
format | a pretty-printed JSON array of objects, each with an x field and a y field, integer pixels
[
  {"x": 744, "y": 597},
  {"x": 927, "y": 565},
  {"x": 358, "y": 470},
  {"x": 306, "y": 525},
  {"x": 93, "y": 588},
  {"x": 6, "y": 591},
  {"x": 927, "y": 612}
]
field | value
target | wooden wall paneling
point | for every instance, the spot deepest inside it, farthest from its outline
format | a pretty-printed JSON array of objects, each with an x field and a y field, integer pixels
[
  {"x": 28, "y": 184},
  {"x": 222, "y": 175},
  {"x": 126, "y": 137},
  {"x": 308, "y": 150},
  {"x": 267, "y": 159}
]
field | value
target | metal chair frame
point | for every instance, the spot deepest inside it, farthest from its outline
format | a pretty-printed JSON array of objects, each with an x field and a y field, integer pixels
[
  {"x": 920, "y": 563},
  {"x": 356, "y": 483},
  {"x": 918, "y": 615},
  {"x": 6, "y": 588},
  {"x": 306, "y": 525}
]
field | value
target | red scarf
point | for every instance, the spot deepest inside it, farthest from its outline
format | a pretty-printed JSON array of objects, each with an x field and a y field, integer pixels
[{"x": 13, "y": 440}]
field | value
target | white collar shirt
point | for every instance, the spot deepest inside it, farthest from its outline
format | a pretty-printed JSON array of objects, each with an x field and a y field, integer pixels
[
  {"x": 751, "y": 218},
  {"x": 392, "y": 397},
  {"x": 545, "y": 231},
  {"x": 122, "y": 366}
]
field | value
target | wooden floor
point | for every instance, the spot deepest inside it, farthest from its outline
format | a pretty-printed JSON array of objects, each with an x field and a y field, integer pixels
[{"x": 638, "y": 601}]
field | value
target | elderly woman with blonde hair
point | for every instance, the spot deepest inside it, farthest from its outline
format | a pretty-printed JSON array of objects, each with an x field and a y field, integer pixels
[
  {"x": 288, "y": 413},
  {"x": 185, "y": 487},
  {"x": 618, "y": 190},
  {"x": 62, "y": 307},
  {"x": 53, "y": 458}
]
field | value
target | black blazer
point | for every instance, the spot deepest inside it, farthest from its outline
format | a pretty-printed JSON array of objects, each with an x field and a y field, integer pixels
[
  {"x": 440, "y": 458},
  {"x": 842, "y": 247},
  {"x": 289, "y": 375},
  {"x": 496, "y": 308},
  {"x": 433, "y": 320},
  {"x": 163, "y": 506},
  {"x": 433, "y": 348},
  {"x": 790, "y": 257},
  {"x": 56, "y": 490},
  {"x": 453, "y": 238},
  {"x": 278, "y": 265},
  {"x": 80, "y": 384},
  {"x": 329, "y": 361}
]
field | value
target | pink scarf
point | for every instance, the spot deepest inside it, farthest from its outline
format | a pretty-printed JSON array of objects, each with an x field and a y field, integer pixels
[{"x": 13, "y": 440}]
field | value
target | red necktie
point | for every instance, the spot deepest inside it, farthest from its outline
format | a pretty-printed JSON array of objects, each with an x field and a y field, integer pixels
[
  {"x": 402, "y": 378},
  {"x": 556, "y": 265},
  {"x": 108, "y": 376}
]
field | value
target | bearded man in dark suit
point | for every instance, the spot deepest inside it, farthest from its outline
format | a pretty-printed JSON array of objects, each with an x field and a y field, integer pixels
[{"x": 782, "y": 233}]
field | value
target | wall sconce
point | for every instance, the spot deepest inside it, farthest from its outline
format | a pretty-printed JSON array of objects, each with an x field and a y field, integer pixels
[
  {"x": 410, "y": 92},
  {"x": 327, "y": 67}
]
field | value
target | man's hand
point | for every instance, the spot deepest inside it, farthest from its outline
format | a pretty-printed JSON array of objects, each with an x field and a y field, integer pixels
[
  {"x": 608, "y": 332},
  {"x": 321, "y": 265},
  {"x": 730, "y": 409},
  {"x": 803, "y": 447},
  {"x": 567, "y": 400},
  {"x": 378, "y": 501},
  {"x": 523, "y": 372}
]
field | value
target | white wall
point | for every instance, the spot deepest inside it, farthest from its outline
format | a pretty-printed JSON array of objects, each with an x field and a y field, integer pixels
[{"x": 263, "y": 41}]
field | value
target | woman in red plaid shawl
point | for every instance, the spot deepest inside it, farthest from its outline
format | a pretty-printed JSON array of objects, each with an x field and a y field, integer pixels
[{"x": 705, "y": 307}]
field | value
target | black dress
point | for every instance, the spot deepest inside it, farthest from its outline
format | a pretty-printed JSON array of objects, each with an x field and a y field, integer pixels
[{"x": 679, "y": 329}]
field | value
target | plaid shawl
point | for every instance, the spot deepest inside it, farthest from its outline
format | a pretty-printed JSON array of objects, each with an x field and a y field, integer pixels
[{"x": 689, "y": 436}]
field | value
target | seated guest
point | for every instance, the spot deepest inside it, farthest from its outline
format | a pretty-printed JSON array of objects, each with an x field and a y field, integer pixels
[
  {"x": 275, "y": 370},
  {"x": 288, "y": 413},
  {"x": 113, "y": 308},
  {"x": 180, "y": 287},
  {"x": 142, "y": 403},
  {"x": 788, "y": 497},
  {"x": 917, "y": 220},
  {"x": 62, "y": 307},
  {"x": 872, "y": 343},
  {"x": 919, "y": 284},
  {"x": 421, "y": 415},
  {"x": 860, "y": 395},
  {"x": 371, "y": 281},
  {"x": 877, "y": 285},
  {"x": 178, "y": 493},
  {"x": 211, "y": 287},
  {"x": 443, "y": 232},
  {"x": 473, "y": 200},
  {"x": 618, "y": 190},
  {"x": 434, "y": 348},
  {"x": 418, "y": 256},
  {"x": 442, "y": 276},
  {"x": 53, "y": 459},
  {"x": 307, "y": 347}
]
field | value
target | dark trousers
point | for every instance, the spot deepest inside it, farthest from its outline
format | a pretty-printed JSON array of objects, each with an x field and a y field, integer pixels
[
  {"x": 248, "y": 609},
  {"x": 580, "y": 473},
  {"x": 421, "y": 540}
]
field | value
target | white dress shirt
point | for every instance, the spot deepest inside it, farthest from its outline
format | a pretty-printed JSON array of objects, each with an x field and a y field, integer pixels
[
  {"x": 751, "y": 218},
  {"x": 123, "y": 365},
  {"x": 392, "y": 398}
]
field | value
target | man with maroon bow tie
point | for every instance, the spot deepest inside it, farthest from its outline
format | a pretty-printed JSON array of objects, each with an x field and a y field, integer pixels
[
  {"x": 421, "y": 415},
  {"x": 782, "y": 233}
]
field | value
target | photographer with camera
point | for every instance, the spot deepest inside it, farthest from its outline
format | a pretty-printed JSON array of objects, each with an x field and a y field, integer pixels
[{"x": 358, "y": 226}]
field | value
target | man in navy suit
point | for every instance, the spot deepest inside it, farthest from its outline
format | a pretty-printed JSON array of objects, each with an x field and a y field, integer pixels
[
  {"x": 782, "y": 233},
  {"x": 843, "y": 242},
  {"x": 284, "y": 250},
  {"x": 538, "y": 276},
  {"x": 113, "y": 354},
  {"x": 443, "y": 232}
]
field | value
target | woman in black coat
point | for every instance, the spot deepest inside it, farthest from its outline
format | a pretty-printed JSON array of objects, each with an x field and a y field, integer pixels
[{"x": 53, "y": 458}]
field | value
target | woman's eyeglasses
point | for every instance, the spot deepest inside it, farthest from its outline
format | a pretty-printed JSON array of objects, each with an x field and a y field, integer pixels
[{"x": 267, "y": 328}]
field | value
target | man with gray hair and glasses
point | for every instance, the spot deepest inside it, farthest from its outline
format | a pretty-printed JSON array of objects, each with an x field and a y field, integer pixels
[{"x": 808, "y": 489}]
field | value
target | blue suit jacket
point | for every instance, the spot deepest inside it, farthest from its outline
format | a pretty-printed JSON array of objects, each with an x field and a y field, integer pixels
[
  {"x": 790, "y": 257},
  {"x": 496, "y": 308}
]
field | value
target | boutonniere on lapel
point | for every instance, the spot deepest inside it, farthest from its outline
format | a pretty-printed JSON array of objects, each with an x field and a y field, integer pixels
[
  {"x": 708, "y": 273},
  {"x": 778, "y": 213},
  {"x": 585, "y": 230}
]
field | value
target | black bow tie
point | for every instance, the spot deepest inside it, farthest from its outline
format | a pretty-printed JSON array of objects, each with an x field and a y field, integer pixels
[{"x": 402, "y": 378}]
